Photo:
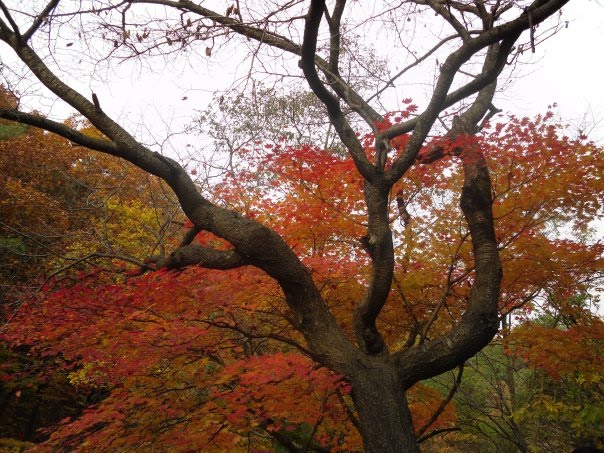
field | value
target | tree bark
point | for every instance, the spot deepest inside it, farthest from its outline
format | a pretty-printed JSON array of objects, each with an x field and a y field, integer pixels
[{"x": 381, "y": 404}]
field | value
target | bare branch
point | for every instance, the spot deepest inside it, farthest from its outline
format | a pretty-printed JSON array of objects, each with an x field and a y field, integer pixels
[
  {"x": 441, "y": 407},
  {"x": 347, "y": 135},
  {"x": 436, "y": 432},
  {"x": 266, "y": 37},
  {"x": 507, "y": 33},
  {"x": 90, "y": 256},
  {"x": 39, "y": 20},
  {"x": 271, "y": 336},
  {"x": 10, "y": 20},
  {"x": 411, "y": 65},
  {"x": 61, "y": 129},
  {"x": 334, "y": 29},
  {"x": 449, "y": 17}
]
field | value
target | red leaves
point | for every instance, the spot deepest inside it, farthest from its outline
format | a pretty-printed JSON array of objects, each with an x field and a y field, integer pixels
[
  {"x": 285, "y": 388},
  {"x": 77, "y": 321},
  {"x": 188, "y": 357},
  {"x": 383, "y": 125},
  {"x": 396, "y": 117},
  {"x": 151, "y": 343},
  {"x": 441, "y": 147}
]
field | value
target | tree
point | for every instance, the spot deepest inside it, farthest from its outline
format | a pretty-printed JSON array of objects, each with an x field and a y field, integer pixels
[
  {"x": 190, "y": 358},
  {"x": 64, "y": 211},
  {"x": 379, "y": 372},
  {"x": 63, "y": 205}
]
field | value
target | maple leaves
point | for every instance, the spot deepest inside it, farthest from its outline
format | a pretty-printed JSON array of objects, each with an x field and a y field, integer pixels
[
  {"x": 154, "y": 344},
  {"x": 284, "y": 392},
  {"x": 576, "y": 349},
  {"x": 211, "y": 359}
]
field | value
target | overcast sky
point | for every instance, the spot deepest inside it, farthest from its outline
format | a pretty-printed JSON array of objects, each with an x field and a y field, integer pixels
[{"x": 567, "y": 69}]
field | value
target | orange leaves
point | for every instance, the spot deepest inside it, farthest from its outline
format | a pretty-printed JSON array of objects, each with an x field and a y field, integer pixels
[
  {"x": 544, "y": 183},
  {"x": 547, "y": 188},
  {"x": 424, "y": 402},
  {"x": 312, "y": 197},
  {"x": 575, "y": 351},
  {"x": 553, "y": 172}
]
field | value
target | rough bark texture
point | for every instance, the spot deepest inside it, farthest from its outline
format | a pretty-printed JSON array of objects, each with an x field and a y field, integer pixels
[{"x": 382, "y": 408}]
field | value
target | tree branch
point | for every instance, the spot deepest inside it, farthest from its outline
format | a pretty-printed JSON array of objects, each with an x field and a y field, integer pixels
[
  {"x": 10, "y": 19},
  {"x": 440, "y": 101},
  {"x": 436, "y": 432},
  {"x": 90, "y": 256},
  {"x": 50, "y": 6},
  {"x": 378, "y": 243},
  {"x": 334, "y": 30},
  {"x": 190, "y": 235},
  {"x": 507, "y": 34},
  {"x": 342, "y": 89},
  {"x": 420, "y": 432},
  {"x": 271, "y": 336},
  {"x": 480, "y": 321},
  {"x": 195, "y": 254},
  {"x": 347, "y": 135},
  {"x": 446, "y": 13},
  {"x": 32, "y": 119}
]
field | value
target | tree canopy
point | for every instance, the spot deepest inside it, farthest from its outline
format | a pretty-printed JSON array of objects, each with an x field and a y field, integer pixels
[{"x": 319, "y": 277}]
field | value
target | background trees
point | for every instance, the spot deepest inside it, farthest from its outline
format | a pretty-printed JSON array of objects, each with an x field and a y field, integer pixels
[
  {"x": 228, "y": 369},
  {"x": 62, "y": 205},
  {"x": 368, "y": 268}
]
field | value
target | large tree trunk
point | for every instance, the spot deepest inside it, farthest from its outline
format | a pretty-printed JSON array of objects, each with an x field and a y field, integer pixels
[{"x": 384, "y": 415}]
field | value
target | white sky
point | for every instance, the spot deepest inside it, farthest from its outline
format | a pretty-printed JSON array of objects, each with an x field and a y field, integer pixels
[{"x": 567, "y": 69}]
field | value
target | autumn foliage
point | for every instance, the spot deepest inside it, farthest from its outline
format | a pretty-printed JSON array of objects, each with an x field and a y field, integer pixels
[
  {"x": 196, "y": 358},
  {"x": 62, "y": 205}
]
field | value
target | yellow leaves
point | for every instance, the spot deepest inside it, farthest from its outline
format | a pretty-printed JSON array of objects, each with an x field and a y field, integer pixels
[
  {"x": 87, "y": 374},
  {"x": 14, "y": 445},
  {"x": 548, "y": 405},
  {"x": 585, "y": 419},
  {"x": 129, "y": 227}
]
